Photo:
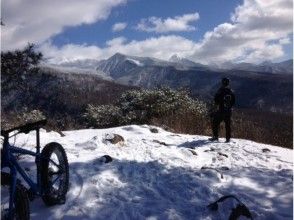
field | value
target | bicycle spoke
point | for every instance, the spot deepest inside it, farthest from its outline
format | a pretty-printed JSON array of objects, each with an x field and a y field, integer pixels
[
  {"x": 51, "y": 173},
  {"x": 55, "y": 164},
  {"x": 53, "y": 182}
]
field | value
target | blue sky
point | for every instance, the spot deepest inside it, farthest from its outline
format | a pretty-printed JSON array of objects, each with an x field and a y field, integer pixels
[
  {"x": 205, "y": 31},
  {"x": 212, "y": 13}
]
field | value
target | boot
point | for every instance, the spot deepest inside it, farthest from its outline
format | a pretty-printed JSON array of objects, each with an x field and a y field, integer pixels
[{"x": 213, "y": 139}]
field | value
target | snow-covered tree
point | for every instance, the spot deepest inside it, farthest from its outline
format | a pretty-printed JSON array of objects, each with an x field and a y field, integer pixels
[
  {"x": 19, "y": 62},
  {"x": 141, "y": 106}
]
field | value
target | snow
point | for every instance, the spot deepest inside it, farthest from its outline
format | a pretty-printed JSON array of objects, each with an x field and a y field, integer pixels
[
  {"x": 166, "y": 176},
  {"x": 137, "y": 62},
  {"x": 75, "y": 70}
]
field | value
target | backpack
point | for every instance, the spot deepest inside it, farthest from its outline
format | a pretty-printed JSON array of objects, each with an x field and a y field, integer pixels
[{"x": 227, "y": 100}]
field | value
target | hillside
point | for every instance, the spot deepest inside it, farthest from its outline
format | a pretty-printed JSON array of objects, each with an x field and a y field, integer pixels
[
  {"x": 254, "y": 89},
  {"x": 284, "y": 67},
  {"x": 166, "y": 176},
  {"x": 59, "y": 93},
  {"x": 62, "y": 94}
]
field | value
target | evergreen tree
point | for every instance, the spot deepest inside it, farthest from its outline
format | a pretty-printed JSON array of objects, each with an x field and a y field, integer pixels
[{"x": 20, "y": 61}]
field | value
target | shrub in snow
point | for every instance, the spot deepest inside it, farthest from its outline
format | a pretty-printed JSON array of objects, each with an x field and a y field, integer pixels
[
  {"x": 141, "y": 106},
  {"x": 30, "y": 116},
  {"x": 103, "y": 115},
  {"x": 23, "y": 116},
  {"x": 160, "y": 102}
]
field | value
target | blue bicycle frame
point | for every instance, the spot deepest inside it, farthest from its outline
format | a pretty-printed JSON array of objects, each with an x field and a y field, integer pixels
[{"x": 8, "y": 159}]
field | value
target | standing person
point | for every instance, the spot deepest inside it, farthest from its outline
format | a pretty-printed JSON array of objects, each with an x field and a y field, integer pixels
[{"x": 224, "y": 99}]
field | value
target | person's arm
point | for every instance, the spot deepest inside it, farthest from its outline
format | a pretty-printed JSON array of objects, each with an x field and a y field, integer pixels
[
  {"x": 217, "y": 97},
  {"x": 233, "y": 99}
]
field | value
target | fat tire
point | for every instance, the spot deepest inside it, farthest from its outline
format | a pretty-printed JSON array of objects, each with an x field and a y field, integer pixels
[
  {"x": 22, "y": 204},
  {"x": 48, "y": 198}
]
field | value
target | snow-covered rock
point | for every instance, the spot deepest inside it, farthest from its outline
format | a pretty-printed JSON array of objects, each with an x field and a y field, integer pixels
[
  {"x": 175, "y": 180},
  {"x": 185, "y": 62}
]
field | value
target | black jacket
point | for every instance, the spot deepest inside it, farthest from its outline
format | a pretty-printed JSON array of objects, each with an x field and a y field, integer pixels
[{"x": 225, "y": 99}]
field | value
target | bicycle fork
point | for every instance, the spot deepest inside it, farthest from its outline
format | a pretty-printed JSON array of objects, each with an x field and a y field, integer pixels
[{"x": 12, "y": 192}]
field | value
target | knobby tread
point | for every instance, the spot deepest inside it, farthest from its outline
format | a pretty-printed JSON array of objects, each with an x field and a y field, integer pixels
[
  {"x": 49, "y": 199},
  {"x": 22, "y": 204}
]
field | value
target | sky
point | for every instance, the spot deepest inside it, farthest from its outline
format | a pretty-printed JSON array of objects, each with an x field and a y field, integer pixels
[{"x": 204, "y": 31}]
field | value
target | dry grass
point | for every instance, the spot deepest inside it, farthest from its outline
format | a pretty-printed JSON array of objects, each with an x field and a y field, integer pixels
[{"x": 264, "y": 127}]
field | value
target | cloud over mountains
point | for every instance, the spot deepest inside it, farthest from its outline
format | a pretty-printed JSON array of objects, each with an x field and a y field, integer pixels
[
  {"x": 257, "y": 30},
  {"x": 37, "y": 21}
]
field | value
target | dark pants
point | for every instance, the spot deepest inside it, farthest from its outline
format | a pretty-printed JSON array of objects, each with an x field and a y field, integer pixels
[{"x": 218, "y": 117}]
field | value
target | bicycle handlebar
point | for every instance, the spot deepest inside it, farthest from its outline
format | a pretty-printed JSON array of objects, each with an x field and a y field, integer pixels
[{"x": 25, "y": 128}]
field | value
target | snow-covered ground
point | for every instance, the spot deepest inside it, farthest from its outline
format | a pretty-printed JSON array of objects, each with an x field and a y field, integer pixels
[{"x": 167, "y": 176}]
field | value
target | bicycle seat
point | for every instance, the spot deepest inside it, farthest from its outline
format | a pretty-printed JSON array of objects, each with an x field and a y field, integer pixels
[{"x": 24, "y": 128}]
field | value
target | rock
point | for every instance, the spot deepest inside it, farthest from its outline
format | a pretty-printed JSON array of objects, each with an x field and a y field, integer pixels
[
  {"x": 175, "y": 135},
  {"x": 154, "y": 130},
  {"x": 162, "y": 143},
  {"x": 106, "y": 159},
  {"x": 222, "y": 154},
  {"x": 265, "y": 150},
  {"x": 212, "y": 168},
  {"x": 114, "y": 138},
  {"x": 212, "y": 172},
  {"x": 193, "y": 152},
  {"x": 224, "y": 168},
  {"x": 211, "y": 149}
]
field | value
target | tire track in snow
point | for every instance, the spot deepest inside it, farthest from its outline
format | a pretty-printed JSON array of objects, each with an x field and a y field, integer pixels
[{"x": 73, "y": 200}]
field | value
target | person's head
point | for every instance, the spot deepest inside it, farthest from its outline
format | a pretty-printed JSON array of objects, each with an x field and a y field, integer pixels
[{"x": 225, "y": 82}]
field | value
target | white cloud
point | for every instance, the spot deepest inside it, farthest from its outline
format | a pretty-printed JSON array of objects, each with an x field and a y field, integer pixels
[
  {"x": 69, "y": 52},
  {"x": 119, "y": 26},
  {"x": 258, "y": 30},
  {"x": 255, "y": 33},
  {"x": 37, "y": 21},
  {"x": 116, "y": 41},
  {"x": 178, "y": 23},
  {"x": 161, "y": 47}
]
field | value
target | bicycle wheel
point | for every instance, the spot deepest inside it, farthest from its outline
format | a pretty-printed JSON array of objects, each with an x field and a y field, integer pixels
[
  {"x": 54, "y": 174},
  {"x": 21, "y": 202}
]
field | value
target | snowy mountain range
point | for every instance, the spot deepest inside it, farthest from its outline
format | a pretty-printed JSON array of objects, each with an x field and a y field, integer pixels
[
  {"x": 165, "y": 175},
  {"x": 184, "y": 62},
  {"x": 265, "y": 88},
  {"x": 270, "y": 83},
  {"x": 81, "y": 64},
  {"x": 284, "y": 67},
  {"x": 119, "y": 63}
]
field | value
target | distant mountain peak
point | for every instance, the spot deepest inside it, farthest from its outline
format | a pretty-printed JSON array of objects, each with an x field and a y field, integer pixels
[
  {"x": 118, "y": 55},
  {"x": 267, "y": 66},
  {"x": 184, "y": 61},
  {"x": 175, "y": 58},
  {"x": 266, "y": 63}
]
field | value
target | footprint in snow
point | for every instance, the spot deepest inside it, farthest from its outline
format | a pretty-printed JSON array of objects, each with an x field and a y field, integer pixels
[{"x": 88, "y": 145}]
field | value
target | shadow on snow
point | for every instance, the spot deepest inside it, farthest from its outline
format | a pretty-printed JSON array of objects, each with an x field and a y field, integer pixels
[{"x": 138, "y": 190}]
